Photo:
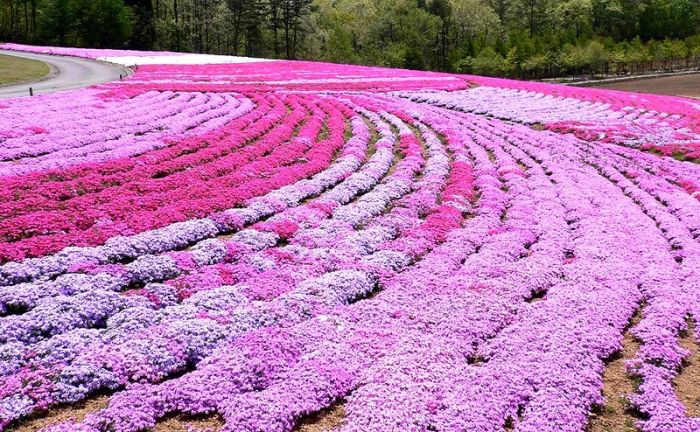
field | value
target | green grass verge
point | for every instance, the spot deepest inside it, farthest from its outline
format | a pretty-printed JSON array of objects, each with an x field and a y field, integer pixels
[{"x": 15, "y": 69}]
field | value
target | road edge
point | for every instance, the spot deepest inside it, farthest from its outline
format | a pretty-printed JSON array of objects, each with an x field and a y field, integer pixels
[{"x": 125, "y": 71}]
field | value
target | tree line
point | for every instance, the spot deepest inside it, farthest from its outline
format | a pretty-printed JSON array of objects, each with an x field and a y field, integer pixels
[{"x": 515, "y": 38}]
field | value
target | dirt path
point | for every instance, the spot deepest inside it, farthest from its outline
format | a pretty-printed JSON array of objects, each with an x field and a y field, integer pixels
[
  {"x": 688, "y": 381},
  {"x": 683, "y": 85},
  {"x": 54, "y": 416},
  {"x": 324, "y": 421},
  {"x": 614, "y": 416}
]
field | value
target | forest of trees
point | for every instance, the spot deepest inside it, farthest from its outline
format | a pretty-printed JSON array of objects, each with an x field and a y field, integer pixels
[{"x": 517, "y": 38}]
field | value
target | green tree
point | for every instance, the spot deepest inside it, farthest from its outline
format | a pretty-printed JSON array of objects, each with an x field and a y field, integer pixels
[
  {"x": 57, "y": 21},
  {"x": 102, "y": 23},
  {"x": 246, "y": 19},
  {"x": 291, "y": 18},
  {"x": 573, "y": 14},
  {"x": 534, "y": 14},
  {"x": 573, "y": 59},
  {"x": 143, "y": 33},
  {"x": 489, "y": 62},
  {"x": 475, "y": 21},
  {"x": 596, "y": 56},
  {"x": 669, "y": 19}
]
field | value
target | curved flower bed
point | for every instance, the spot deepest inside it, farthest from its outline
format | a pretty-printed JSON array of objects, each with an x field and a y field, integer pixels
[{"x": 438, "y": 252}]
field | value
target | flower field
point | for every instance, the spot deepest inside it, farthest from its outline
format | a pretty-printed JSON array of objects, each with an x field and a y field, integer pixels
[{"x": 262, "y": 241}]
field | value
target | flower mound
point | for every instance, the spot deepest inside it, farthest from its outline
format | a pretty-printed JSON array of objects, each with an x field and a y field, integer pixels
[{"x": 261, "y": 241}]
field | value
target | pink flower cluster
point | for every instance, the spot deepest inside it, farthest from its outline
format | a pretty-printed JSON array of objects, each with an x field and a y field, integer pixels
[{"x": 436, "y": 252}]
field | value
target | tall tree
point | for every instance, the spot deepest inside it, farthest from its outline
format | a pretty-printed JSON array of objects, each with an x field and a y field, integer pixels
[
  {"x": 102, "y": 23},
  {"x": 57, "y": 21},
  {"x": 501, "y": 7},
  {"x": 143, "y": 30},
  {"x": 443, "y": 10},
  {"x": 293, "y": 11},
  {"x": 246, "y": 19},
  {"x": 274, "y": 13},
  {"x": 535, "y": 14},
  {"x": 573, "y": 14}
]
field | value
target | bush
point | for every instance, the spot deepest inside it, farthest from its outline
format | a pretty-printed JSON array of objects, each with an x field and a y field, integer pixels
[{"x": 490, "y": 63}]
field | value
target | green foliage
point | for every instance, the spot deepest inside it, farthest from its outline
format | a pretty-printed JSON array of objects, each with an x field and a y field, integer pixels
[
  {"x": 88, "y": 23},
  {"x": 413, "y": 59},
  {"x": 57, "y": 21},
  {"x": 574, "y": 15},
  {"x": 489, "y": 62},
  {"x": 101, "y": 23},
  {"x": 143, "y": 32}
]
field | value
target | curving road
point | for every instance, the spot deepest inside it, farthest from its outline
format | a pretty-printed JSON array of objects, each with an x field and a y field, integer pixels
[{"x": 67, "y": 73}]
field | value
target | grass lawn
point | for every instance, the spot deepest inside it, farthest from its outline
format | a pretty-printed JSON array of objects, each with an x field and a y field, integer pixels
[{"x": 14, "y": 69}]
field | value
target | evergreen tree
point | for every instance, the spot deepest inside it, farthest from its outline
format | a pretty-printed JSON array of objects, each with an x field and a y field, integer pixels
[{"x": 143, "y": 31}]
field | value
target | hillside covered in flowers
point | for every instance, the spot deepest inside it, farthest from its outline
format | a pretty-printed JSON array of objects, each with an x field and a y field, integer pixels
[{"x": 263, "y": 241}]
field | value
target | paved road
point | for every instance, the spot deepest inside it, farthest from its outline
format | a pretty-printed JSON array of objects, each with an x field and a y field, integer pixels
[{"x": 68, "y": 73}]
